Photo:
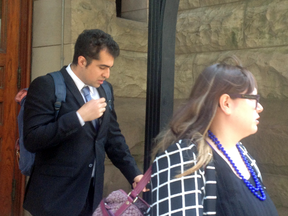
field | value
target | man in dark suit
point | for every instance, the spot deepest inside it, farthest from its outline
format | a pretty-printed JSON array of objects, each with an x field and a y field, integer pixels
[{"x": 67, "y": 178}]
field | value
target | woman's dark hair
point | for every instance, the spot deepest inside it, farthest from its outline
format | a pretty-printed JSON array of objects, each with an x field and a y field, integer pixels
[
  {"x": 193, "y": 119},
  {"x": 89, "y": 44}
]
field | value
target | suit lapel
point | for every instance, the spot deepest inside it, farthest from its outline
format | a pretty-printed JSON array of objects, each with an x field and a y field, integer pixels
[
  {"x": 71, "y": 86},
  {"x": 105, "y": 114},
  {"x": 78, "y": 97}
]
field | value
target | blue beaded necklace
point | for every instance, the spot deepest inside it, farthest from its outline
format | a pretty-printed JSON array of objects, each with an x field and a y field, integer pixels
[{"x": 253, "y": 189}]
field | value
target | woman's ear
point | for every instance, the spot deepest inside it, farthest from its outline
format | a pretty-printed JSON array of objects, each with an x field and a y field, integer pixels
[{"x": 225, "y": 104}]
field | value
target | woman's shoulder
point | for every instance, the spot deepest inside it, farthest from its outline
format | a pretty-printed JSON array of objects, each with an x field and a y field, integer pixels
[
  {"x": 180, "y": 151},
  {"x": 182, "y": 145}
]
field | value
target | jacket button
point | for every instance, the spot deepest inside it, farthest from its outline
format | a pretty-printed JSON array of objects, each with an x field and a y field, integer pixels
[{"x": 90, "y": 165}]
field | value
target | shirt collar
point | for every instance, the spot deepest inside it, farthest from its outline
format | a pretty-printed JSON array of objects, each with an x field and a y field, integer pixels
[{"x": 80, "y": 85}]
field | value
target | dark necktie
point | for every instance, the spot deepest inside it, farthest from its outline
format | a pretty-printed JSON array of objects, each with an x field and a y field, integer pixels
[{"x": 86, "y": 92}]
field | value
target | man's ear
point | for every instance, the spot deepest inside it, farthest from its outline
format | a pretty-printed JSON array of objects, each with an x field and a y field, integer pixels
[
  {"x": 82, "y": 62},
  {"x": 225, "y": 104}
]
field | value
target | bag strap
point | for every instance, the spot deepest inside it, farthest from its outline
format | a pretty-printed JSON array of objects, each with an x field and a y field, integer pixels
[
  {"x": 108, "y": 94},
  {"x": 133, "y": 195},
  {"x": 103, "y": 208},
  {"x": 143, "y": 182},
  {"x": 60, "y": 90}
]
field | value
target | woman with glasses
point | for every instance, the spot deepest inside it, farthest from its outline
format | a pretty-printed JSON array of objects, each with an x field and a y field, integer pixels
[{"x": 200, "y": 166}]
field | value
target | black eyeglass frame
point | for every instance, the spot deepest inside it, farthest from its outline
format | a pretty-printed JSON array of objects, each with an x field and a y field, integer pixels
[{"x": 247, "y": 96}]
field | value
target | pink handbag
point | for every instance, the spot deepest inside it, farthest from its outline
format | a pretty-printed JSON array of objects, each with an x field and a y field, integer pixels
[{"x": 120, "y": 203}]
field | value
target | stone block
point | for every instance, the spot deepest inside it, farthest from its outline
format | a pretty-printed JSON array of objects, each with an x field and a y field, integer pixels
[
  {"x": 269, "y": 68},
  {"x": 205, "y": 3},
  {"x": 187, "y": 69},
  {"x": 67, "y": 23},
  {"x": 268, "y": 65},
  {"x": 266, "y": 23},
  {"x": 101, "y": 14},
  {"x": 90, "y": 14},
  {"x": 268, "y": 145},
  {"x": 45, "y": 60},
  {"x": 190, "y": 4},
  {"x": 218, "y": 27},
  {"x": 46, "y": 23},
  {"x": 277, "y": 187},
  {"x": 184, "y": 77},
  {"x": 130, "y": 35},
  {"x": 136, "y": 15},
  {"x": 48, "y": 59},
  {"x": 131, "y": 118},
  {"x": 132, "y": 5},
  {"x": 129, "y": 74},
  {"x": 68, "y": 54},
  {"x": 114, "y": 180}
]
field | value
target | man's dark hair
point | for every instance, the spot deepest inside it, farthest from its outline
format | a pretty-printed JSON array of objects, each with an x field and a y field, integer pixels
[{"x": 89, "y": 44}]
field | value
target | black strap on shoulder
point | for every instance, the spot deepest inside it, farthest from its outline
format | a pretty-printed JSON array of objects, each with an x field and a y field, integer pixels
[
  {"x": 60, "y": 90},
  {"x": 108, "y": 94}
]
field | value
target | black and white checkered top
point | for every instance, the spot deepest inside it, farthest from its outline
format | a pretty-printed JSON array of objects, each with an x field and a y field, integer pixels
[{"x": 194, "y": 194}]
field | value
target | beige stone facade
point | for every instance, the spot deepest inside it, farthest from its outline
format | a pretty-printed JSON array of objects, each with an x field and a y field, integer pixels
[
  {"x": 207, "y": 31},
  {"x": 256, "y": 32}
]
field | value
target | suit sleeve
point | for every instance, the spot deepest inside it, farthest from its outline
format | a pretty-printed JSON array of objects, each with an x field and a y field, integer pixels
[
  {"x": 118, "y": 151},
  {"x": 41, "y": 130},
  {"x": 176, "y": 196}
]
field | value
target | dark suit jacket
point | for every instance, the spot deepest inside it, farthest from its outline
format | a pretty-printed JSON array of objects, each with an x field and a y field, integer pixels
[{"x": 65, "y": 151}]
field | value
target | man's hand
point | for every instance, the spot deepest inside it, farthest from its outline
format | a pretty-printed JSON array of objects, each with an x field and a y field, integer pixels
[
  {"x": 137, "y": 180},
  {"x": 93, "y": 109}
]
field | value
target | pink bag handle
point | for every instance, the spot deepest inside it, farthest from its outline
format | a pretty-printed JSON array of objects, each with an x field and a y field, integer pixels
[
  {"x": 143, "y": 182},
  {"x": 133, "y": 195}
]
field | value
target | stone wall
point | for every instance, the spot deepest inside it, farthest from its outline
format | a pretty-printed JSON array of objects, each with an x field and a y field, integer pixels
[
  {"x": 256, "y": 32},
  {"x": 129, "y": 69},
  {"x": 128, "y": 76},
  {"x": 207, "y": 31},
  {"x": 47, "y": 36},
  {"x": 135, "y": 10}
]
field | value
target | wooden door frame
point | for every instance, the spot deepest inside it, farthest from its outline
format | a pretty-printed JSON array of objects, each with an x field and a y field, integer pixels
[
  {"x": 24, "y": 76},
  {"x": 25, "y": 52}
]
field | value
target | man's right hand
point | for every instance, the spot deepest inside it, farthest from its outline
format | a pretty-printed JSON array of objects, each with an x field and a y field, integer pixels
[{"x": 93, "y": 109}]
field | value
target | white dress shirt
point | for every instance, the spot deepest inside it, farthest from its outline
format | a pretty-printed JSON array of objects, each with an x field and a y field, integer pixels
[{"x": 80, "y": 85}]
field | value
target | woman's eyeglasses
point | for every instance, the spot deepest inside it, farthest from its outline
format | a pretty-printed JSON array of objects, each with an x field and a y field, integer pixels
[{"x": 247, "y": 96}]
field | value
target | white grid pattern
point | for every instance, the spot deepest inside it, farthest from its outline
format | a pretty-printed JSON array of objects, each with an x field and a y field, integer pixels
[
  {"x": 166, "y": 190},
  {"x": 173, "y": 162}
]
